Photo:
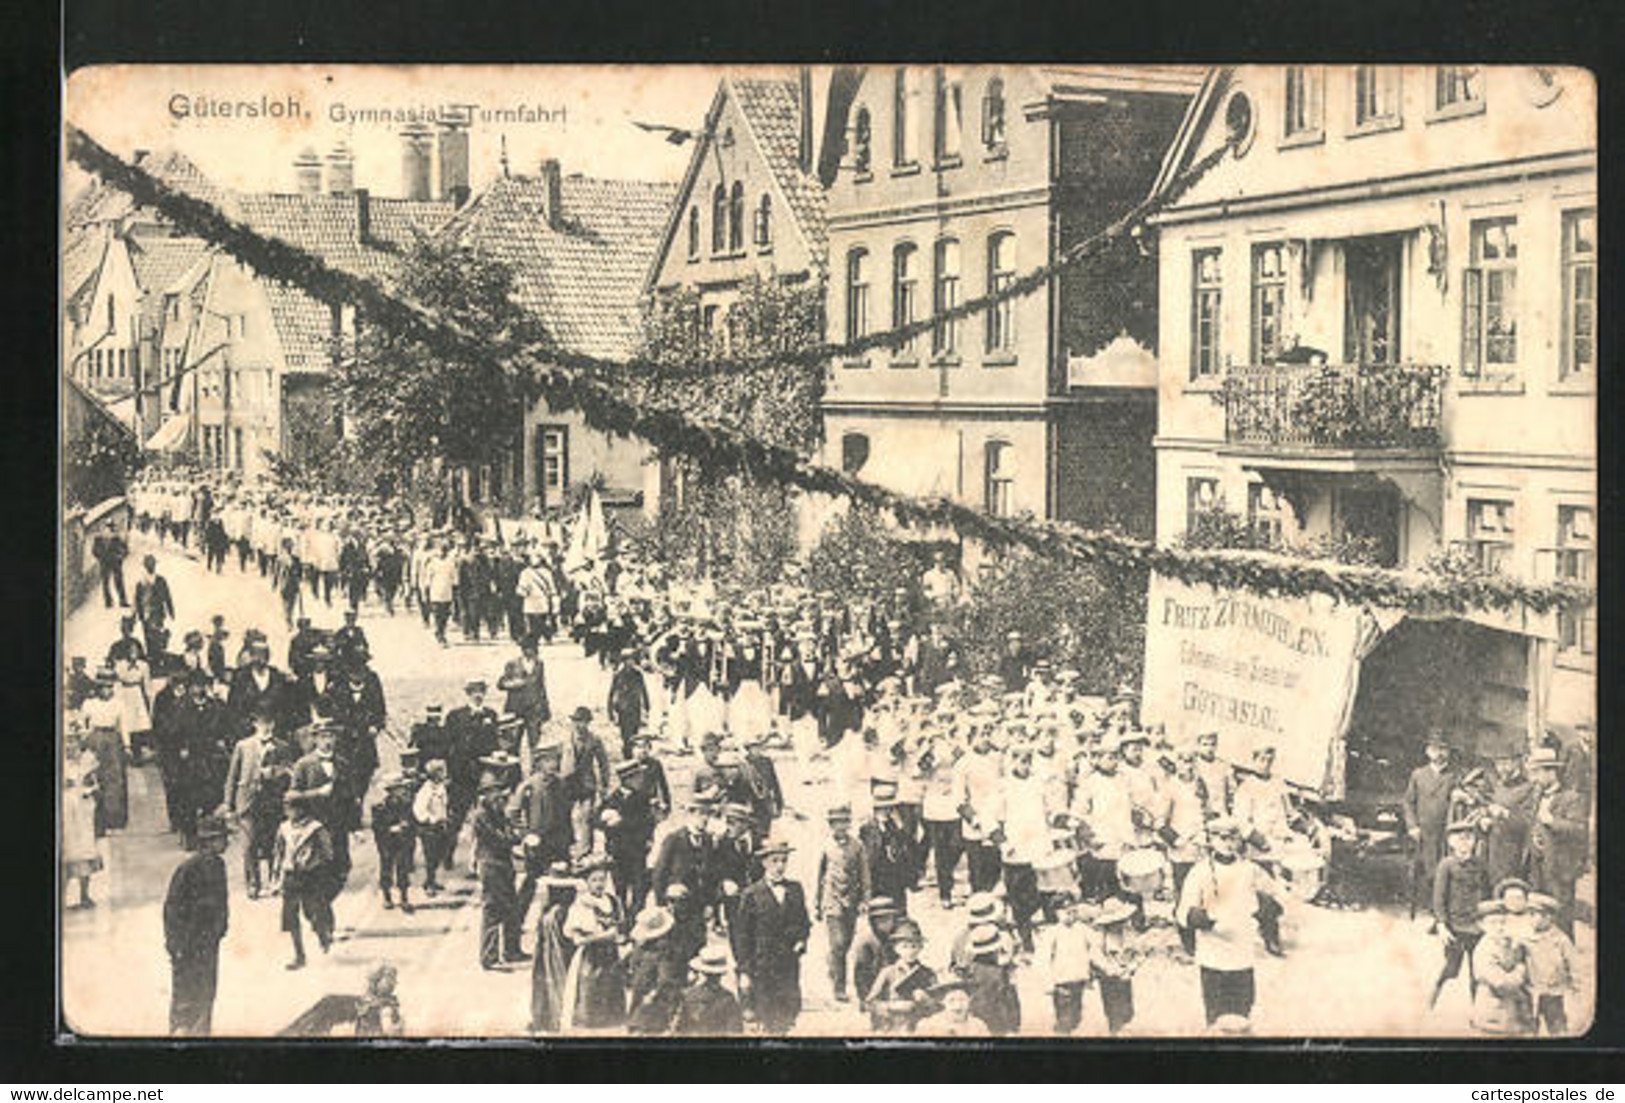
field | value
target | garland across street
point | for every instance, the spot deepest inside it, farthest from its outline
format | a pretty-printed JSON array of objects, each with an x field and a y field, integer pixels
[{"x": 569, "y": 381}]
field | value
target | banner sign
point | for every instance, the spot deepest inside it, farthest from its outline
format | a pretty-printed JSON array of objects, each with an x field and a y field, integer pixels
[{"x": 1260, "y": 671}]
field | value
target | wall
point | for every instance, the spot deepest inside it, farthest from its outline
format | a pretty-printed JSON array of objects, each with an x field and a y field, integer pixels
[
  {"x": 1106, "y": 466},
  {"x": 621, "y": 460}
]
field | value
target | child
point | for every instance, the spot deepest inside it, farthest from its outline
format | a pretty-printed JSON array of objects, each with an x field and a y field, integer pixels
[
  {"x": 994, "y": 999},
  {"x": 1460, "y": 884},
  {"x": 392, "y": 832},
  {"x": 378, "y": 1013},
  {"x": 708, "y": 1008},
  {"x": 955, "y": 1019},
  {"x": 1069, "y": 964},
  {"x": 429, "y": 812},
  {"x": 1116, "y": 959},
  {"x": 900, "y": 996},
  {"x": 304, "y": 853},
  {"x": 1549, "y": 957},
  {"x": 1501, "y": 996}
]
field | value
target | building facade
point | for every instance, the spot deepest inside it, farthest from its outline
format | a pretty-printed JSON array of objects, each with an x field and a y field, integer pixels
[
  {"x": 956, "y": 181},
  {"x": 1378, "y": 324}
]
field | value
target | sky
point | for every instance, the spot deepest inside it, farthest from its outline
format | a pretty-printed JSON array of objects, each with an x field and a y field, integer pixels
[{"x": 581, "y": 115}]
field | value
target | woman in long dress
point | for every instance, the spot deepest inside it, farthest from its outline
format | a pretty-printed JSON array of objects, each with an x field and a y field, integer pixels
[
  {"x": 554, "y": 951},
  {"x": 104, "y": 720},
  {"x": 595, "y": 989},
  {"x": 128, "y": 659},
  {"x": 80, "y": 858}
]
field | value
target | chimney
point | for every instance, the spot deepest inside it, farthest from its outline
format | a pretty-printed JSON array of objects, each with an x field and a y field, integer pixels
[
  {"x": 453, "y": 162},
  {"x": 340, "y": 170},
  {"x": 363, "y": 216},
  {"x": 307, "y": 173},
  {"x": 417, "y": 152},
  {"x": 555, "y": 193}
]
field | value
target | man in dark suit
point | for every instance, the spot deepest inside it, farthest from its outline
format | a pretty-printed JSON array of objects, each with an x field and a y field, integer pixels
[
  {"x": 256, "y": 685},
  {"x": 471, "y": 734},
  {"x": 110, "y": 551},
  {"x": 310, "y": 695},
  {"x": 769, "y": 938},
  {"x": 524, "y": 680},
  {"x": 1558, "y": 840},
  {"x": 1427, "y": 810},
  {"x": 155, "y": 607},
  {"x": 628, "y": 699},
  {"x": 681, "y": 860},
  {"x": 358, "y": 707},
  {"x": 196, "y": 914},
  {"x": 762, "y": 778},
  {"x": 587, "y": 777}
]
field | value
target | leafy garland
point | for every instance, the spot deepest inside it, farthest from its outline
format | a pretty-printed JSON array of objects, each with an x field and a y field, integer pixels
[{"x": 568, "y": 381}]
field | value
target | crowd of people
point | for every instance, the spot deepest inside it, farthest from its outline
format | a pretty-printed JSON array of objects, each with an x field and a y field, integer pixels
[{"x": 1070, "y": 841}]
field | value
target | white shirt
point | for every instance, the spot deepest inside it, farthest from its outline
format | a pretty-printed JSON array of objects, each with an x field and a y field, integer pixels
[{"x": 1228, "y": 892}]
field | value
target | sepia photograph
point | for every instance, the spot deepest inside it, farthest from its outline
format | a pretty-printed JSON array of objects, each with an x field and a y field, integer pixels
[{"x": 909, "y": 552}]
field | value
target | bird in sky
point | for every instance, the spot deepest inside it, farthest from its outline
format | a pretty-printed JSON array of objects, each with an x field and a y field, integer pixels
[{"x": 676, "y": 135}]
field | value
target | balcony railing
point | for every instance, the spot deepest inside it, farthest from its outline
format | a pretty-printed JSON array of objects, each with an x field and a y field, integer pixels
[{"x": 1336, "y": 406}]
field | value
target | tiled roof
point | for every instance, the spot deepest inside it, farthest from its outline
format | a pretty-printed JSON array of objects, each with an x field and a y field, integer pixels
[
  {"x": 328, "y": 226},
  {"x": 774, "y": 112},
  {"x": 100, "y": 203},
  {"x": 160, "y": 260},
  {"x": 582, "y": 281},
  {"x": 304, "y": 327},
  {"x": 82, "y": 252}
]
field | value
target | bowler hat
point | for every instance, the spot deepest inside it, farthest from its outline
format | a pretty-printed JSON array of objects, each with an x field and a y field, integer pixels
[
  {"x": 211, "y": 827},
  {"x": 582, "y": 712},
  {"x": 474, "y": 685},
  {"x": 840, "y": 813}
]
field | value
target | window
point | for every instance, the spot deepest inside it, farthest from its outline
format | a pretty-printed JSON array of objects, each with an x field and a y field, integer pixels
[
  {"x": 993, "y": 116},
  {"x": 123, "y": 371},
  {"x": 764, "y": 222},
  {"x": 719, "y": 219},
  {"x": 237, "y": 447},
  {"x": 1206, "y": 298},
  {"x": 552, "y": 463},
  {"x": 1267, "y": 513},
  {"x": 998, "y": 466},
  {"x": 945, "y": 296},
  {"x": 1001, "y": 273},
  {"x": 736, "y": 218},
  {"x": 905, "y": 278},
  {"x": 903, "y": 151},
  {"x": 1269, "y": 300},
  {"x": 1490, "y": 297},
  {"x": 948, "y": 121},
  {"x": 857, "y": 294},
  {"x": 862, "y": 137},
  {"x": 854, "y": 452},
  {"x": 1201, "y": 496},
  {"x": 1376, "y": 96},
  {"x": 110, "y": 312},
  {"x": 1457, "y": 89},
  {"x": 1305, "y": 101},
  {"x": 1489, "y": 532},
  {"x": 693, "y": 232},
  {"x": 708, "y": 322},
  {"x": 1576, "y": 562},
  {"x": 1579, "y": 292}
]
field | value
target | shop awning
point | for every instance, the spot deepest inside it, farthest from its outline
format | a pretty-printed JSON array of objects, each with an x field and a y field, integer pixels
[{"x": 173, "y": 436}]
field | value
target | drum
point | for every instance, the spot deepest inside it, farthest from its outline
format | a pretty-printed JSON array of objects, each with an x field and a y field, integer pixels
[
  {"x": 1143, "y": 872},
  {"x": 1057, "y": 872},
  {"x": 1303, "y": 873}
]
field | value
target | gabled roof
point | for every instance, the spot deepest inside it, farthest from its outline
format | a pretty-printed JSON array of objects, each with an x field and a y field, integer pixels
[
  {"x": 584, "y": 280},
  {"x": 1189, "y": 136},
  {"x": 772, "y": 108},
  {"x": 159, "y": 260},
  {"x": 99, "y": 202},
  {"x": 82, "y": 255}
]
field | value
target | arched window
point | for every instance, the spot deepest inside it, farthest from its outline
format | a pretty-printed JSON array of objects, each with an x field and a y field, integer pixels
[
  {"x": 904, "y": 293},
  {"x": 854, "y": 452},
  {"x": 719, "y": 219},
  {"x": 857, "y": 294},
  {"x": 693, "y": 231},
  {"x": 993, "y": 115},
  {"x": 1001, "y": 273},
  {"x": 736, "y": 218},
  {"x": 904, "y": 150},
  {"x": 764, "y": 221},
  {"x": 862, "y": 140},
  {"x": 999, "y": 477},
  {"x": 945, "y": 296}
]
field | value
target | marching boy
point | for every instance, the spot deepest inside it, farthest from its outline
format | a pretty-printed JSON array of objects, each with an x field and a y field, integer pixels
[
  {"x": 304, "y": 857},
  {"x": 393, "y": 833}
]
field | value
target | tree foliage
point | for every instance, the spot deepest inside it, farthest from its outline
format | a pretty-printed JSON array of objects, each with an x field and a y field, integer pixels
[
  {"x": 409, "y": 403},
  {"x": 720, "y": 522},
  {"x": 99, "y": 465}
]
